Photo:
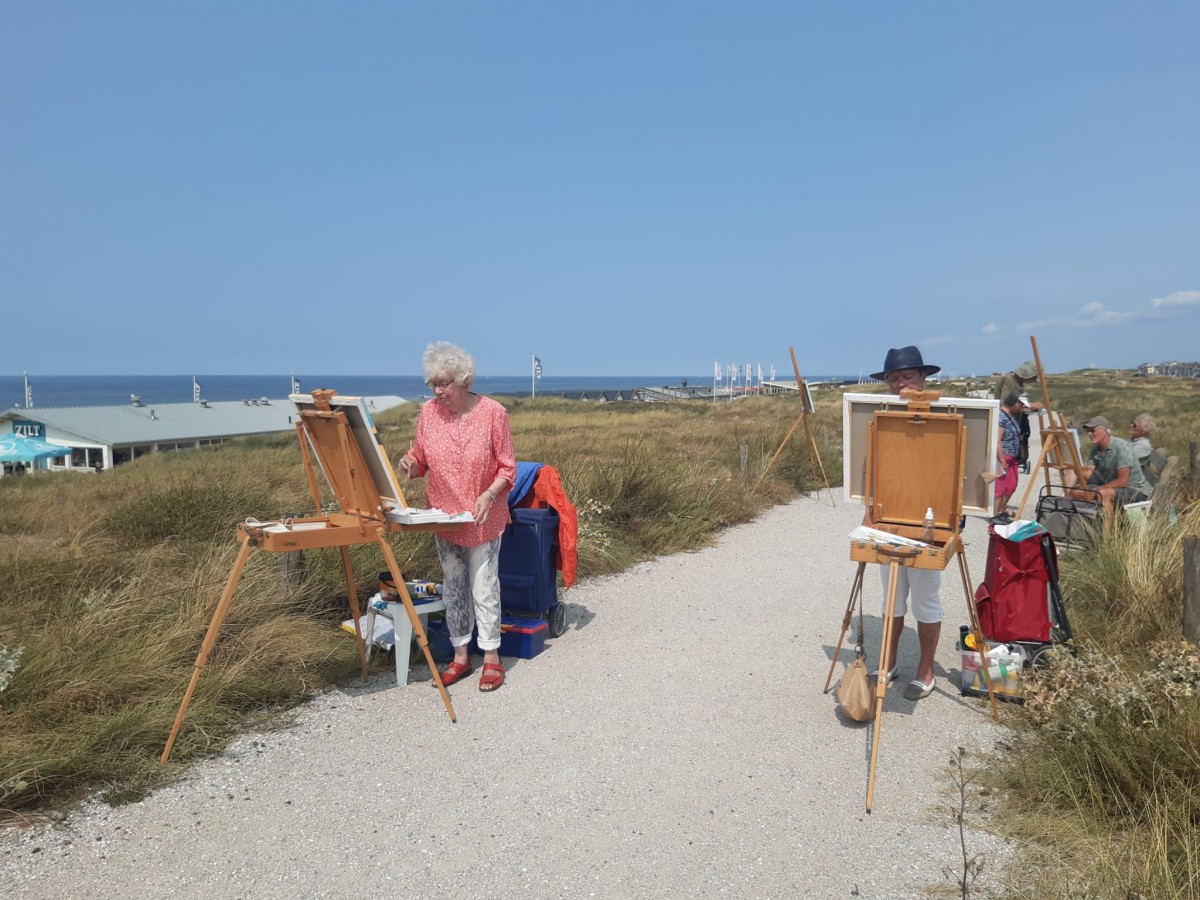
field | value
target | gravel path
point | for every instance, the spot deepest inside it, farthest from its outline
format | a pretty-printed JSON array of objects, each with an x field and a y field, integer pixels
[{"x": 674, "y": 742}]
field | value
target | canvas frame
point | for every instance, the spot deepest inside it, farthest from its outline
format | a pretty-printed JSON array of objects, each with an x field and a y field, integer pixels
[{"x": 365, "y": 435}]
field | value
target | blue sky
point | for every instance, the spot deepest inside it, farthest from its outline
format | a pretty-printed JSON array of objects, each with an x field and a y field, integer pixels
[{"x": 619, "y": 187}]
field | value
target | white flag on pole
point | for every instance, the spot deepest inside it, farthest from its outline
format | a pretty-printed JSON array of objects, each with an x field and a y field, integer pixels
[
  {"x": 195, "y": 390},
  {"x": 537, "y": 368}
]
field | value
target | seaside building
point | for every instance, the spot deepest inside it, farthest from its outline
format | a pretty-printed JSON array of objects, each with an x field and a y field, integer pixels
[{"x": 101, "y": 437}]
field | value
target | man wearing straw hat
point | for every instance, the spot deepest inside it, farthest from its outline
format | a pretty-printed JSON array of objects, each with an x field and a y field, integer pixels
[{"x": 904, "y": 369}]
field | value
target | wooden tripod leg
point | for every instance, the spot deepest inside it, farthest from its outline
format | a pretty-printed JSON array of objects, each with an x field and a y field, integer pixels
[
  {"x": 814, "y": 455},
  {"x": 782, "y": 444},
  {"x": 415, "y": 620},
  {"x": 889, "y": 610},
  {"x": 855, "y": 594},
  {"x": 977, "y": 631},
  {"x": 210, "y": 640},
  {"x": 355, "y": 611},
  {"x": 1041, "y": 461}
]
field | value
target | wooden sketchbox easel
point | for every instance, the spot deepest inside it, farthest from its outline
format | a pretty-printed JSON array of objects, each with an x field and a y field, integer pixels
[
  {"x": 915, "y": 459},
  {"x": 339, "y": 433},
  {"x": 806, "y": 409},
  {"x": 1059, "y": 453}
]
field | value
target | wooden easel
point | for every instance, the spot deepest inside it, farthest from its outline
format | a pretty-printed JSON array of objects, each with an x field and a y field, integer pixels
[
  {"x": 1059, "y": 451},
  {"x": 915, "y": 460},
  {"x": 327, "y": 433},
  {"x": 814, "y": 455}
]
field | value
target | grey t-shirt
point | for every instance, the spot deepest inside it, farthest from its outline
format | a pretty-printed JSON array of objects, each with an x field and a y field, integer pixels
[
  {"x": 1141, "y": 448},
  {"x": 1119, "y": 455}
]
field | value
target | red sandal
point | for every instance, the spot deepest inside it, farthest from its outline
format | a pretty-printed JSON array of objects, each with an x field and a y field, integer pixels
[
  {"x": 456, "y": 671},
  {"x": 492, "y": 678}
]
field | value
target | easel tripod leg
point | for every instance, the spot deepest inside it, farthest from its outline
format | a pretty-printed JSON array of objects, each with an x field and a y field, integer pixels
[
  {"x": 855, "y": 594},
  {"x": 415, "y": 621},
  {"x": 885, "y": 663},
  {"x": 210, "y": 640},
  {"x": 355, "y": 612},
  {"x": 977, "y": 630}
]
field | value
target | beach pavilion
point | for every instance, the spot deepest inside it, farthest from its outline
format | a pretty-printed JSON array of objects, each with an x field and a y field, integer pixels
[{"x": 100, "y": 437}]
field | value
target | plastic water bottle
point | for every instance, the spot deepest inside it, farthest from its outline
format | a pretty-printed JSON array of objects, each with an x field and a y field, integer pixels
[{"x": 927, "y": 530}]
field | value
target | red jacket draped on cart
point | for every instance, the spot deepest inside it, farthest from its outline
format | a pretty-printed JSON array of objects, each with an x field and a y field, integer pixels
[{"x": 547, "y": 492}]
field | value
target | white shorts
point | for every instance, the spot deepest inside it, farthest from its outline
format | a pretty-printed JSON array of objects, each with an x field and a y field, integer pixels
[{"x": 924, "y": 586}]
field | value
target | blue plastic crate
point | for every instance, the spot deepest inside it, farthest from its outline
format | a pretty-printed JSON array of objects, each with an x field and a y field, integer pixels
[{"x": 521, "y": 637}]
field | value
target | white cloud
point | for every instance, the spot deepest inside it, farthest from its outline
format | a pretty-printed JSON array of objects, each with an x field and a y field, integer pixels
[
  {"x": 1179, "y": 298},
  {"x": 1091, "y": 315},
  {"x": 991, "y": 328}
]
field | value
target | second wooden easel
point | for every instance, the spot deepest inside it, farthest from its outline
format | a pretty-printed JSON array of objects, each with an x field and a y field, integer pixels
[
  {"x": 1059, "y": 451},
  {"x": 806, "y": 410},
  {"x": 915, "y": 459}
]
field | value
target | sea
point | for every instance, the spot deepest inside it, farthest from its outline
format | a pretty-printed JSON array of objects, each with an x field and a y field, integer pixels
[{"x": 51, "y": 391}]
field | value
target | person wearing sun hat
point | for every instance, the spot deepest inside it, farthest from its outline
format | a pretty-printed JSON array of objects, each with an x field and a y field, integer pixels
[
  {"x": 1112, "y": 469},
  {"x": 904, "y": 369},
  {"x": 1016, "y": 380}
]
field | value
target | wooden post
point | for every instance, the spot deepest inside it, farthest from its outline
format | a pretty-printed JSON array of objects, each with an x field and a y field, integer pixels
[
  {"x": 1191, "y": 589},
  {"x": 1193, "y": 464},
  {"x": 744, "y": 453}
]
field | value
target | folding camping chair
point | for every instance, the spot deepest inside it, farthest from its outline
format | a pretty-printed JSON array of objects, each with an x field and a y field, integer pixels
[{"x": 1071, "y": 521}]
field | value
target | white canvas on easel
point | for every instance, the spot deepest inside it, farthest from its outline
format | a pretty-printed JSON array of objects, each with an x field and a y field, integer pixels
[{"x": 362, "y": 427}]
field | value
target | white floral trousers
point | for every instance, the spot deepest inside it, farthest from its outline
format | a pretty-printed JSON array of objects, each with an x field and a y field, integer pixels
[{"x": 471, "y": 589}]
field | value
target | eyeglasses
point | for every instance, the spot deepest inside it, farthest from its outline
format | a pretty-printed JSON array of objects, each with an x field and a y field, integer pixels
[{"x": 439, "y": 385}]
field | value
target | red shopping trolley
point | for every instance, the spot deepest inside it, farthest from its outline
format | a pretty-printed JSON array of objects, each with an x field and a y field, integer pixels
[{"x": 1020, "y": 605}]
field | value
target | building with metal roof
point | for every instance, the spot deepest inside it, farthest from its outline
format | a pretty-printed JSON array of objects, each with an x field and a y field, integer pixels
[{"x": 101, "y": 437}]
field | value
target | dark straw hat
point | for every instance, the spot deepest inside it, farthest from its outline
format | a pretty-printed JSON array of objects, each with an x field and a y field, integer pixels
[{"x": 905, "y": 358}]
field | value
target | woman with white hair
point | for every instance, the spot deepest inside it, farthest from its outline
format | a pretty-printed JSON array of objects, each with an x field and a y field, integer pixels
[
  {"x": 1140, "y": 430},
  {"x": 464, "y": 444}
]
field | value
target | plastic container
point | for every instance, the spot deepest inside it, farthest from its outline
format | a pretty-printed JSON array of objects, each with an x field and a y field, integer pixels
[
  {"x": 927, "y": 532},
  {"x": 439, "y": 641},
  {"x": 522, "y": 637},
  {"x": 1004, "y": 666}
]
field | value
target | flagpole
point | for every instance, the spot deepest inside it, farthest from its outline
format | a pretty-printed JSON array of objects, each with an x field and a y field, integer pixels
[
  {"x": 532, "y": 375},
  {"x": 28, "y": 393}
]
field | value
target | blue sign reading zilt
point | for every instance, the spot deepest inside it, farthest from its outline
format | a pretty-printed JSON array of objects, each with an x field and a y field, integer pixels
[{"x": 25, "y": 428}]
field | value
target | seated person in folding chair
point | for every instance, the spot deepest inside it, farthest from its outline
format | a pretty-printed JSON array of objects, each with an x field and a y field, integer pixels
[
  {"x": 1112, "y": 470},
  {"x": 1140, "y": 430},
  {"x": 903, "y": 369}
]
